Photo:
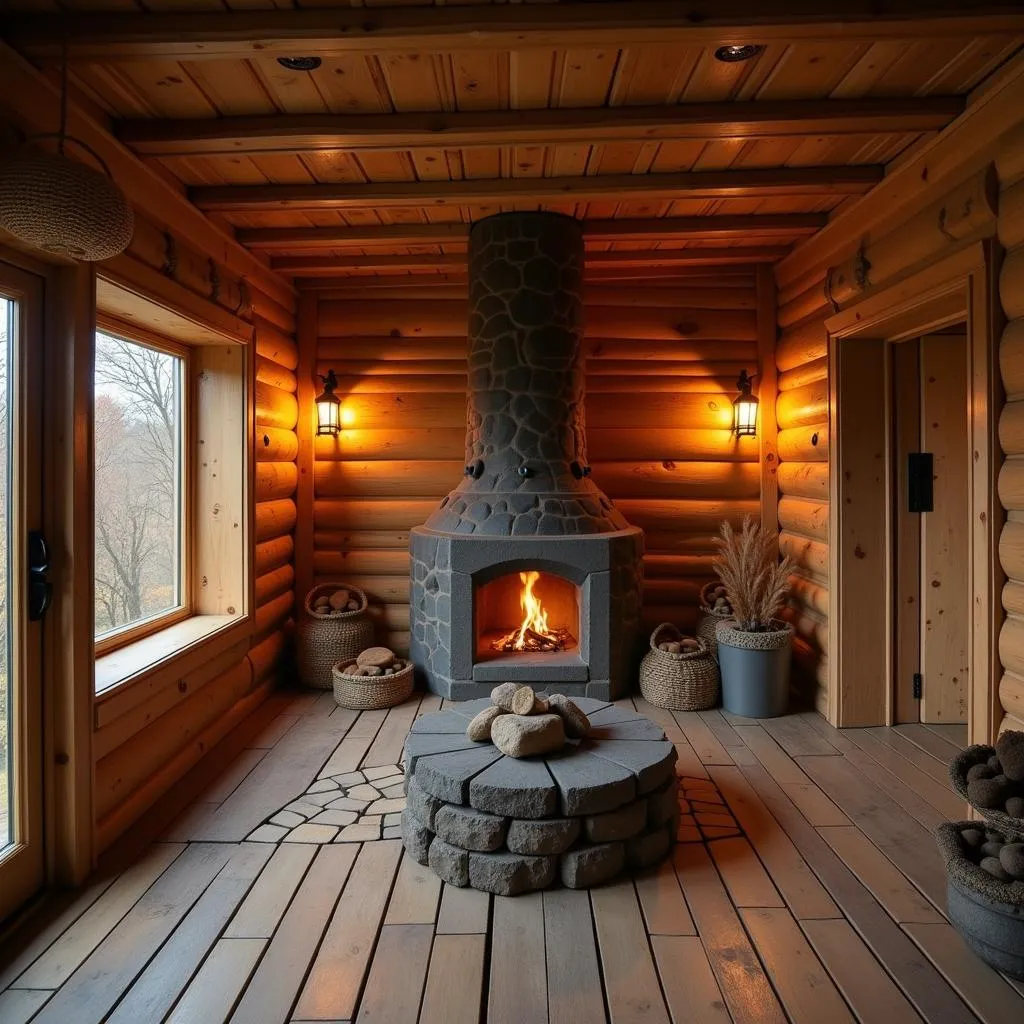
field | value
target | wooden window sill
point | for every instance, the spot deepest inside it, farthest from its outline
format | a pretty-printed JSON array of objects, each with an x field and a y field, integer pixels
[{"x": 167, "y": 652}]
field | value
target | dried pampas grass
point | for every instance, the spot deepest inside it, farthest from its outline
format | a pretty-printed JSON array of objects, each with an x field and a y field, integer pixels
[{"x": 755, "y": 581}]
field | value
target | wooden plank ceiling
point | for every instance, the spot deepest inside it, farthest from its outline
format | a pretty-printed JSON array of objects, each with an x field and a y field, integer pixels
[{"x": 420, "y": 120}]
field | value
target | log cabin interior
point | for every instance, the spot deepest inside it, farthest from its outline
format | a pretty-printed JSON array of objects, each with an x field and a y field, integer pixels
[{"x": 445, "y": 313}]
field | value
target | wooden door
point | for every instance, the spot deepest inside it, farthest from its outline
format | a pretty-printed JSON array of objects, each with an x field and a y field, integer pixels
[
  {"x": 21, "y": 722},
  {"x": 945, "y": 531}
]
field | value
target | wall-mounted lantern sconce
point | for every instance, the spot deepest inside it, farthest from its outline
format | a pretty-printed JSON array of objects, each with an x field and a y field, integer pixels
[
  {"x": 744, "y": 408},
  {"x": 328, "y": 406}
]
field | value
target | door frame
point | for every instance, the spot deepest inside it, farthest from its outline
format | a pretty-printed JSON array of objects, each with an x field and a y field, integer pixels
[
  {"x": 24, "y": 863},
  {"x": 861, "y": 627},
  {"x": 69, "y": 325}
]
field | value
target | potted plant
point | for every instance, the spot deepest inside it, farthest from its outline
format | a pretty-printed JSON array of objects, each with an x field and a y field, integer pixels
[{"x": 754, "y": 646}]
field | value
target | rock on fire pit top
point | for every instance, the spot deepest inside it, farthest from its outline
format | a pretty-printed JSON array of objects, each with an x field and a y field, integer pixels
[{"x": 625, "y": 756}]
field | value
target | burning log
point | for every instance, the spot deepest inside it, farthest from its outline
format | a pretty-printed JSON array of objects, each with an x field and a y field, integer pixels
[{"x": 531, "y": 640}]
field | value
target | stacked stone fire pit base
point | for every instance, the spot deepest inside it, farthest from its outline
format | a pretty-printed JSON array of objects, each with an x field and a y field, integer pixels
[{"x": 507, "y": 825}]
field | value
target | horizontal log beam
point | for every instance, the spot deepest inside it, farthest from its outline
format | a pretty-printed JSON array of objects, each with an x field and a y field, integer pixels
[
  {"x": 334, "y": 32},
  {"x": 298, "y": 133},
  {"x": 328, "y": 265},
  {"x": 748, "y": 184},
  {"x": 625, "y": 230}
]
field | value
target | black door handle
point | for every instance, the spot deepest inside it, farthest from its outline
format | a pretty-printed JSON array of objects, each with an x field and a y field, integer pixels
[
  {"x": 920, "y": 478},
  {"x": 40, "y": 589}
]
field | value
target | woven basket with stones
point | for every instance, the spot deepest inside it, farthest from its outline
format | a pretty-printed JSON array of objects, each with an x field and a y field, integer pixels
[
  {"x": 364, "y": 693},
  {"x": 711, "y": 615},
  {"x": 988, "y": 913},
  {"x": 980, "y": 753},
  {"x": 686, "y": 680},
  {"x": 327, "y": 635}
]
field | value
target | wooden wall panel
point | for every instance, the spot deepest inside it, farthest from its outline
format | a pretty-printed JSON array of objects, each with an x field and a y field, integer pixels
[
  {"x": 143, "y": 752},
  {"x": 660, "y": 384}
]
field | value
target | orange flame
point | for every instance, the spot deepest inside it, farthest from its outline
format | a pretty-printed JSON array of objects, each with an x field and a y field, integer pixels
[{"x": 534, "y": 615}]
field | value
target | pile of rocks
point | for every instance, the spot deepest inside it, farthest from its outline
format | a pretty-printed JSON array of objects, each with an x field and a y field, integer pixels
[
  {"x": 992, "y": 852},
  {"x": 508, "y": 824},
  {"x": 522, "y": 723},
  {"x": 339, "y": 601},
  {"x": 998, "y": 783},
  {"x": 375, "y": 661},
  {"x": 685, "y": 645},
  {"x": 717, "y": 602}
]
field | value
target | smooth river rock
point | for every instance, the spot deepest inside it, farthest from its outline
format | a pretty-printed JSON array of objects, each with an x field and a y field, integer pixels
[{"x": 524, "y": 736}]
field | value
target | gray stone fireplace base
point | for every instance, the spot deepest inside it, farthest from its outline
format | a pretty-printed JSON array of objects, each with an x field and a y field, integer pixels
[{"x": 447, "y": 570}]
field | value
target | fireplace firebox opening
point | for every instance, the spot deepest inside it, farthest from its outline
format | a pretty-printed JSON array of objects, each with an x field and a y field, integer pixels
[{"x": 526, "y": 612}]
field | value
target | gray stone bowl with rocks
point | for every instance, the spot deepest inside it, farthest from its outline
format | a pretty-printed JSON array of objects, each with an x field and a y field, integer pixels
[
  {"x": 577, "y": 812},
  {"x": 991, "y": 779},
  {"x": 985, "y": 891}
]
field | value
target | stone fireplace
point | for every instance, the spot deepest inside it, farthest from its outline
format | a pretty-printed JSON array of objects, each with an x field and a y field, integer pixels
[{"x": 526, "y": 572}]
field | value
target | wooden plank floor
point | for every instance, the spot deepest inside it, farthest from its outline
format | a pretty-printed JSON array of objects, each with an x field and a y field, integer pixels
[{"x": 829, "y": 907}]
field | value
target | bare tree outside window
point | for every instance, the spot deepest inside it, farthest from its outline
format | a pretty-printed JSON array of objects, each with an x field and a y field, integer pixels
[{"x": 139, "y": 514}]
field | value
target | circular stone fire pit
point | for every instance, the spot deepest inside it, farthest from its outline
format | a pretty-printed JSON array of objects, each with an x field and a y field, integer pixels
[{"x": 510, "y": 825}]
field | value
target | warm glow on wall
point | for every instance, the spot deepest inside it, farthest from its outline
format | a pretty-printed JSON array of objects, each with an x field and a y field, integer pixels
[
  {"x": 328, "y": 406},
  {"x": 744, "y": 408},
  {"x": 348, "y": 416}
]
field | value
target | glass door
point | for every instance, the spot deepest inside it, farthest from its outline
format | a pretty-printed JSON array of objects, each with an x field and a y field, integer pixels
[{"x": 23, "y": 588}]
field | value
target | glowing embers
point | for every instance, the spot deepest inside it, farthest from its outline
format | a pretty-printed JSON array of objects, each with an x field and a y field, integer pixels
[{"x": 528, "y": 612}]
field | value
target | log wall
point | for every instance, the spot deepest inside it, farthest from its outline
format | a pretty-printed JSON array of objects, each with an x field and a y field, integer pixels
[
  {"x": 150, "y": 736},
  {"x": 661, "y": 375},
  {"x": 1010, "y": 166},
  {"x": 801, "y": 410}
]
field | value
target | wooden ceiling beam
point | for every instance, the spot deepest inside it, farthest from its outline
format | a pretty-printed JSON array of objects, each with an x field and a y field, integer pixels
[
  {"x": 748, "y": 184},
  {"x": 307, "y": 266},
  {"x": 201, "y": 35},
  {"x": 298, "y": 133},
  {"x": 787, "y": 225}
]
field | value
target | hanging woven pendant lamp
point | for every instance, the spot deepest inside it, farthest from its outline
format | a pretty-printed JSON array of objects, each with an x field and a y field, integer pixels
[{"x": 59, "y": 205}]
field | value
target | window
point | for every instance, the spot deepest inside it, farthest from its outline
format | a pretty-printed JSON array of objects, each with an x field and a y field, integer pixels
[{"x": 140, "y": 490}]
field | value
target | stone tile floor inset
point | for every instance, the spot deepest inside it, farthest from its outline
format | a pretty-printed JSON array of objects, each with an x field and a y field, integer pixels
[{"x": 346, "y": 809}]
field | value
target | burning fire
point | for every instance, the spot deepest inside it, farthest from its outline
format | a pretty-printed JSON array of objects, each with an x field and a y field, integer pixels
[{"x": 533, "y": 633}]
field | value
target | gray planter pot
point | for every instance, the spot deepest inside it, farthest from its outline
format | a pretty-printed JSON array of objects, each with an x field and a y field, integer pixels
[
  {"x": 995, "y": 931},
  {"x": 755, "y": 670},
  {"x": 988, "y": 914}
]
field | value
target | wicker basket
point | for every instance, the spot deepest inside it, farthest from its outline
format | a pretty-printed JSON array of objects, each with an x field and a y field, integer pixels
[
  {"x": 324, "y": 638},
  {"x": 361, "y": 693},
  {"x": 679, "y": 682},
  {"x": 979, "y": 753},
  {"x": 63, "y": 206},
  {"x": 709, "y": 620}
]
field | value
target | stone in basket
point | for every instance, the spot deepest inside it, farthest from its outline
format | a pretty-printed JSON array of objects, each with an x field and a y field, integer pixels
[
  {"x": 679, "y": 673},
  {"x": 991, "y": 780},
  {"x": 335, "y": 627},
  {"x": 376, "y": 679},
  {"x": 715, "y": 608}
]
